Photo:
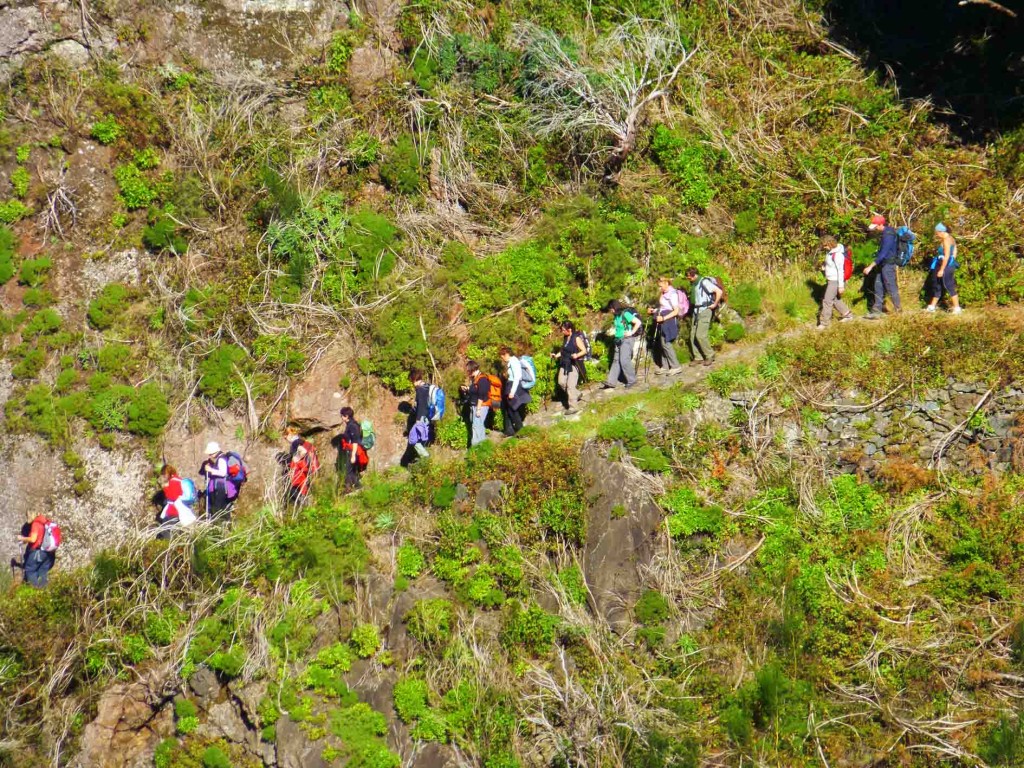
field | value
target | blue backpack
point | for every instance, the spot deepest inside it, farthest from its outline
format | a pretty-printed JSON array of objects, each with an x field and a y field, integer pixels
[
  {"x": 436, "y": 403},
  {"x": 189, "y": 494},
  {"x": 529, "y": 372},
  {"x": 904, "y": 246}
]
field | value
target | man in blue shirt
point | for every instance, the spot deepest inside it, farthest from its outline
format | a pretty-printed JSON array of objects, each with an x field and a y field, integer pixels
[{"x": 885, "y": 263}]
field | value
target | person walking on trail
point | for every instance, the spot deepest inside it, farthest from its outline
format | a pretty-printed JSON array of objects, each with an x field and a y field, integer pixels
[
  {"x": 884, "y": 268},
  {"x": 215, "y": 470},
  {"x": 835, "y": 269},
  {"x": 668, "y": 316},
  {"x": 626, "y": 327},
  {"x": 301, "y": 465},
  {"x": 571, "y": 365},
  {"x": 706, "y": 298},
  {"x": 178, "y": 493},
  {"x": 514, "y": 396},
  {"x": 418, "y": 426},
  {"x": 942, "y": 272},
  {"x": 352, "y": 457},
  {"x": 38, "y": 561},
  {"x": 478, "y": 395}
]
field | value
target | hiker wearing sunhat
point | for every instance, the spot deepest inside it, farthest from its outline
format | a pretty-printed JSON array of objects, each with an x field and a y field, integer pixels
[
  {"x": 941, "y": 271},
  {"x": 884, "y": 267},
  {"x": 215, "y": 470}
]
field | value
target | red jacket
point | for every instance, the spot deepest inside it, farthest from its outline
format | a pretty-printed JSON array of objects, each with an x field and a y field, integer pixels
[
  {"x": 300, "y": 473},
  {"x": 172, "y": 488}
]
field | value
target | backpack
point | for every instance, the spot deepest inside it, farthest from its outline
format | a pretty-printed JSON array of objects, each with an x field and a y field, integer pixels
[
  {"x": 238, "y": 472},
  {"x": 51, "y": 537},
  {"x": 189, "y": 494},
  {"x": 904, "y": 246},
  {"x": 436, "y": 403},
  {"x": 586, "y": 345},
  {"x": 312, "y": 460},
  {"x": 847, "y": 265},
  {"x": 684, "y": 302},
  {"x": 369, "y": 436},
  {"x": 529, "y": 372},
  {"x": 494, "y": 396}
]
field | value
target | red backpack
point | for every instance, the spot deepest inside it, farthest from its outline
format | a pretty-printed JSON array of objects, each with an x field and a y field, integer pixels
[
  {"x": 847, "y": 264},
  {"x": 51, "y": 536}
]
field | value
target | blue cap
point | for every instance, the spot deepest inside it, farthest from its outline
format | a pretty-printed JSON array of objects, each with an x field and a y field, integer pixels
[{"x": 940, "y": 227}]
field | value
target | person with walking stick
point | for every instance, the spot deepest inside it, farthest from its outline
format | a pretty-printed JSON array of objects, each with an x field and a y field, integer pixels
[
  {"x": 625, "y": 328},
  {"x": 667, "y": 317}
]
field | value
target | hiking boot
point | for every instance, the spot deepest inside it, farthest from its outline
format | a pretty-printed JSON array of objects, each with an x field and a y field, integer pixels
[
  {"x": 708, "y": 363},
  {"x": 846, "y": 318},
  {"x": 956, "y": 311},
  {"x": 660, "y": 371},
  {"x": 929, "y": 308},
  {"x": 606, "y": 385},
  {"x": 695, "y": 363},
  {"x": 630, "y": 386},
  {"x": 674, "y": 371},
  {"x": 872, "y": 315},
  {"x": 820, "y": 327},
  {"x": 571, "y": 411}
]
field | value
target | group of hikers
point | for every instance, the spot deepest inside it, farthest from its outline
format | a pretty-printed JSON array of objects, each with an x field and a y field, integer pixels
[{"x": 508, "y": 390}]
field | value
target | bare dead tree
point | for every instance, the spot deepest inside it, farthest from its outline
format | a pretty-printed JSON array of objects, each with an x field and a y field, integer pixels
[{"x": 602, "y": 90}]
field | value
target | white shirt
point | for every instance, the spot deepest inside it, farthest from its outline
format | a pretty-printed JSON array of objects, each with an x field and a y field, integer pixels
[
  {"x": 515, "y": 375},
  {"x": 834, "y": 262}
]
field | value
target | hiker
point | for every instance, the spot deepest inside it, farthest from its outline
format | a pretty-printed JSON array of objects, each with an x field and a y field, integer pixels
[
  {"x": 626, "y": 326},
  {"x": 706, "y": 298},
  {"x": 942, "y": 271},
  {"x": 837, "y": 269},
  {"x": 38, "y": 561},
  {"x": 215, "y": 470},
  {"x": 885, "y": 264},
  {"x": 301, "y": 465},
  {"x": 478, "y": 396},
  {"x": 667, "y": 316},
  {"x": 514, "y": 395},
  {"x": 571, "y": 365},
  {"x": 352, "y": 456},
  {"x": 418, "y": 426},
  {"x": 178, "y": 495}
]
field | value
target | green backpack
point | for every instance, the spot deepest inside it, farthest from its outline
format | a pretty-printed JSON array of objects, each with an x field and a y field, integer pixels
[{"x": 369, "y": 437}]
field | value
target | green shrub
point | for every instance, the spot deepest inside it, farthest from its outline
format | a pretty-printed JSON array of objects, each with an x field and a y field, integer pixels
[
  {"x": 745, "y": 298},
  {"x": 108, "y": 306},
  {"x": 688, "y": 516},
  {"x": 22, "y": 153},
  {"x": 20, "y": 180},
  {"x": 401, "y": 170},
  {"x": 8, "y": 245},
  {"x": 1003, "y": 743},
  {"x": 135, "y": 190},
  {"x": 148, "y": 411},
  {"x": 652, "y": 608},
  {"x": 431, "y": 622},
  {"x": 146, "y": 159},
  {"x": 219, "y": 374},
  {"x": 162, "y": 234},
  {"x": 410, "y": 699},
  {"x": 365, "y": 640},
  {"x": 186, "y": 716},
  {"x": 625, "y": 428},
  {"x": 214, "y": 757},
  {"x": 12, "y": 211},
  {"x": 730, "y": 378},
  {"x": 734, "y": 332},
  {"x": 324, "y": 674},
  {"x": 573, "y": 585},
  {"x": 650, "y": 459},
  {"x": 747, "y": 226},
  {"x": 107, "y": 130},
  {"x": 532, "y": 628},
  {"x": 565, "y": 514},
  {"x": 339, "y": 51},
  {"x": 34, "y": 272},
  {"x": 409, "y": 561},
  {"x": 688, "y": 163},
  {"x": 161, "y": 627},
  {"x": 163, "y": 756},
  {"x": 363, "y": 149}
]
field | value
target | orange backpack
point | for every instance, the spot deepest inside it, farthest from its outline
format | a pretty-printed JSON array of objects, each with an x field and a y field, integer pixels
[{"x": 494, "y": 397}]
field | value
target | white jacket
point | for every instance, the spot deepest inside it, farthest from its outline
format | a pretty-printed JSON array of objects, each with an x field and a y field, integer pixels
[{"x": 834, "y": 263}]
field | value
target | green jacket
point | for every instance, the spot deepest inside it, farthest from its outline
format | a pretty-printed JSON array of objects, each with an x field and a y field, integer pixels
[{"x": 623, "y": 324}]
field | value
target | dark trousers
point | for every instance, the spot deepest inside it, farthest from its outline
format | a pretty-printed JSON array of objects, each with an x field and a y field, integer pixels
[
  {"x": 885, "y": 285},
  {"x": 37, "y": 567},
  {"x": 513, "y": 417},
  {"x": 945, "y": 284},
  {"x": 217, "y": 503},
  {"x": 350, "y": 470}
]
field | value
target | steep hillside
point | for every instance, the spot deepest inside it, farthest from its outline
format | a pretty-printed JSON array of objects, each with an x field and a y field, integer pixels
[{"x": 219, "y": 219}]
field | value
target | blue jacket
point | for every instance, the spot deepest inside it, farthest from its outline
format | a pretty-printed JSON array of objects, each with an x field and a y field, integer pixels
[{"x": 888, "y": 248}]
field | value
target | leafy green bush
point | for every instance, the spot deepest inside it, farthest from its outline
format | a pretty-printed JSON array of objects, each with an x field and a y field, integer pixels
[
  {"x": 365, "y": 640},
  {"x": 410, "y": 561},
  {"x": 401, "y": 170},
  {"x": 107, "y": 130},
  {"x": 214, "y": 757},
  {"x": 625, "y": 428},
  {"x": 148, "y": 411},
  {"x": 7, "y": 250},
  {"x": 745, "y": 298},
  {"x": 734, "y": 332},
  {"x": 219, "y": 374},
  {"x": 573, "y": 584},
  {"x": 431, "y": 622},
  {"x": 186, "y": 716},
  {"x": 688, "y": 516},
  {"x": 730, "y": 378},
  {"x": 411, "y": 699},
  {"x": 135, "y": 190},
  {"x": 324, "y": 674},
  {"x": 688, "y": 162},
  {"x": 108, "y": 306},
  {"x": 564, "y": 514},
  {"x": 1003, "y": 743},
  {"x": 747, "y": 226},
  {"x": 12, "y": 211},
  {"x": 651, "y": 608},
  {"x": 363, "y": 149},
  {"x": 34, "y": 272},
  {"x": 162, "y": 234},
  {"x": 163, "y": 756},
  {"x": 20, "y": 180},
  {"x": 650, "y": 458},
  {"x": 532, "y": 628}
]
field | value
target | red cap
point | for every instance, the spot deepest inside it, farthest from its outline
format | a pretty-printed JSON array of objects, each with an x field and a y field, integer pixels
[{"x": 878, "y": 220}]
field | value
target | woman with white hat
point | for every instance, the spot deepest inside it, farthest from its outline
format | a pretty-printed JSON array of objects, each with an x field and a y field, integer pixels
[{"x": 215, "y": 470}]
